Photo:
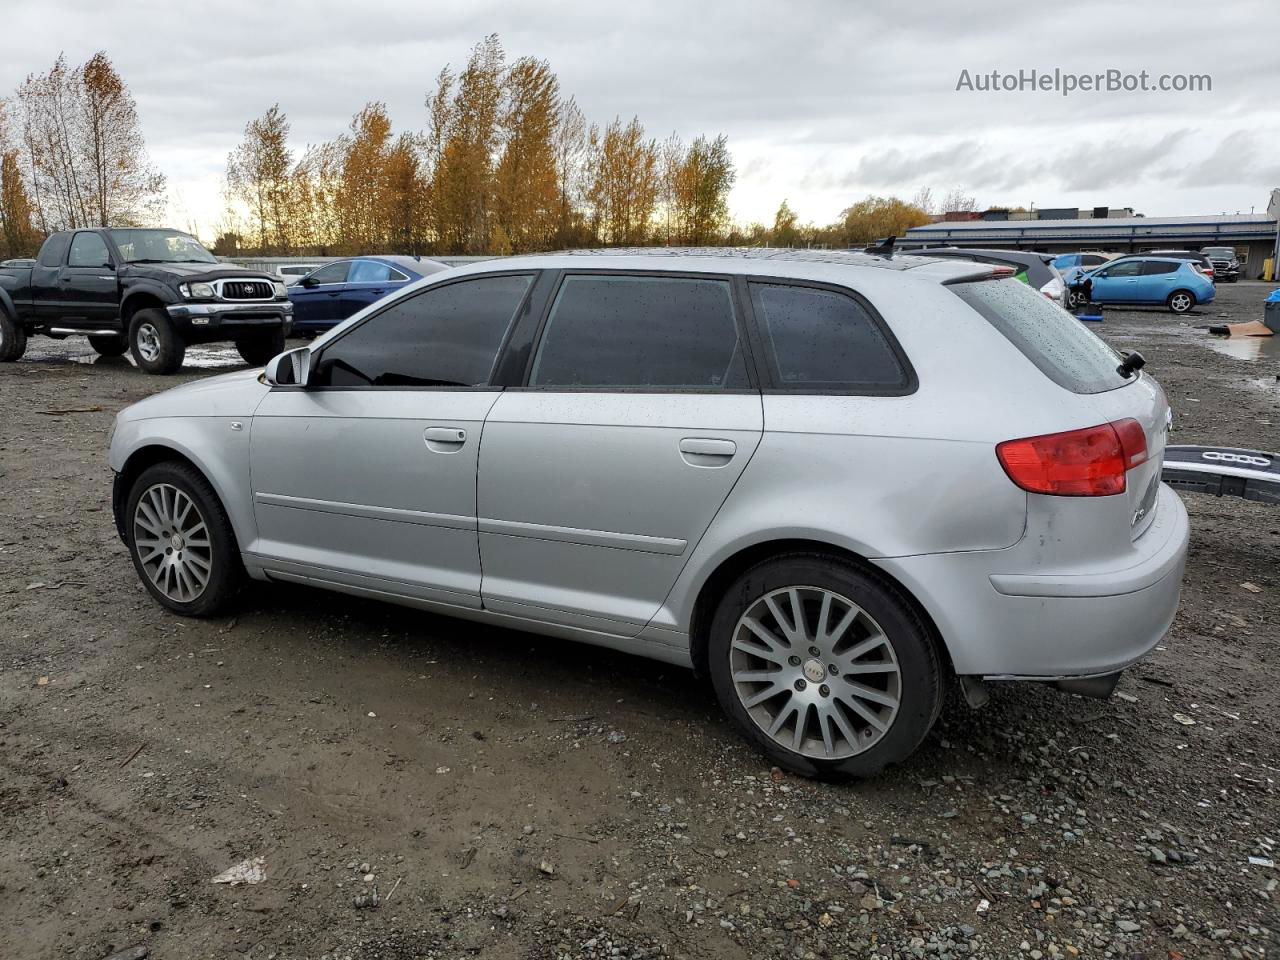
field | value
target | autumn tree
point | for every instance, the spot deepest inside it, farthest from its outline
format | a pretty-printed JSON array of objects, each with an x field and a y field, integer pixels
[
  {"x": 570, "y": 148},
  {"x": 18, "y": 236},
  {"x": 526, "y": 182},
  {"x": 877, "y": 217},
  {"x": 623, "y": 182},
  {"x": 784, "y": 233},
  {"x": 957, "y": 201},
  {"x": 703, "y": 178},
  {"x": 259, "y": 176}
]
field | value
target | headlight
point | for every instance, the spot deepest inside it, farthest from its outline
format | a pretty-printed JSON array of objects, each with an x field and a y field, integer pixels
[
  {"x": 281, "y": 289},
  {"x": 197, "y": 291}
]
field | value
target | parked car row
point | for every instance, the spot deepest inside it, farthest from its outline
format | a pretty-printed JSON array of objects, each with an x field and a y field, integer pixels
[{"x": 605, "y": 447}]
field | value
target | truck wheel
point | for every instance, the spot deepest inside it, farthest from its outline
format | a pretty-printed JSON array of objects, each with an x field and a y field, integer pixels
[
  {"x": 156, "y": 346},
  {"x": 13, "y": 340},
  {"x": 109, "y": 346},
  {"x": 256, "y": 351}
]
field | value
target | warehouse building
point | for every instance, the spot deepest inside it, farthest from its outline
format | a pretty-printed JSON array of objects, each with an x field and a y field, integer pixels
[{"x": 1253, "y": 235}]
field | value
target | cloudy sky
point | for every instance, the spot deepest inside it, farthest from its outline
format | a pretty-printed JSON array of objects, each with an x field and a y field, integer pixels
[{"x": 823, "y": 101}]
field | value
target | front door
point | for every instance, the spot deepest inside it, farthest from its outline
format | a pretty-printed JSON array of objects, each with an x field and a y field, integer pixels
[
  {"x": 367, "y": 476},
  {"x": 90, "y": 296},
  {"x": 316, "y": 296},
  {"x": 599, "y": 478},
  {"x": 1117, "y": 283}
]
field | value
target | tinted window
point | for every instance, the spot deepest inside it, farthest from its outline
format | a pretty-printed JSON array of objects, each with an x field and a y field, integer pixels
[
  {"x": 1055, "y": 341},
  {"x": 88, "y": 250},
  {"x": 820, "y": 339},
  {"x": 443, "y": 337},
  {"x": 333, "y": 272},
  {"x": 1092, "y": 260},
  {"x": 369, "y": 271},
  {"x": 53, "y": 249},
  {"x": 1150, "y": 267},
  {"x": 1126, "y": 268},
  {"x": 613, "y": 331}
]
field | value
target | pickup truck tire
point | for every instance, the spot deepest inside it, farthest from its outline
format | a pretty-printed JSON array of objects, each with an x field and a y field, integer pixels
[
  {"x": 256, "y": 351},
  {"x": 13, "y": 340},
  {"x": 109, "y": 346},
  {"x": 156, "y": 346}
]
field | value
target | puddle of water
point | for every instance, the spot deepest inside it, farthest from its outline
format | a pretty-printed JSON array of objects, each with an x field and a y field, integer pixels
[
  {"x": 202, "y": 357},
  {"x": 1247, "y": 348}
]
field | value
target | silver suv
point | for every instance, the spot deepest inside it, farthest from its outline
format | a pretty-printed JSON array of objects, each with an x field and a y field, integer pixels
[{"x": 828, "y": 482}]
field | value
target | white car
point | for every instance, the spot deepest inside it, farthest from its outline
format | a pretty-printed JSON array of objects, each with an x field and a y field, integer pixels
[
  {"x": 291, "y": 273},
  {"x": 830, "y": 482}
]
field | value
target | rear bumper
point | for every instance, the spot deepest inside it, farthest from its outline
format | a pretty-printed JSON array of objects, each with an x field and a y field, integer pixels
[{"x": 1053, "y": 623}]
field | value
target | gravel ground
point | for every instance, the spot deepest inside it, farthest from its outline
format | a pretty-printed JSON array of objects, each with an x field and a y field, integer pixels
[{"x": 421, "y": 787}]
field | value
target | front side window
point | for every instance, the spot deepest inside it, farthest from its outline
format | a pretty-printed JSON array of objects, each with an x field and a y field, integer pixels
[
  {"x": 1126, "y": 268},
  {"x": 88, "y": 250},
  {"x": 445, "y": 336},
  {"x": 625, "y": 331},
  {"x": 332, "y": 272},
  {"x": 53, "y": 249},
  {"x": 823, "y": 340}
]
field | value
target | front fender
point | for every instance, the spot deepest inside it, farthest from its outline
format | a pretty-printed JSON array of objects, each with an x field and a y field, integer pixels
[{"x": 211, "y": 445}]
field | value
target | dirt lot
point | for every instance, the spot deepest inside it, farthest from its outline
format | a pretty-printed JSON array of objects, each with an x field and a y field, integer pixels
[{"x": 419, "y": 787}]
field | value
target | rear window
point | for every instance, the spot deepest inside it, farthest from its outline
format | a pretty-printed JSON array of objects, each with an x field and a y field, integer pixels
[{"x": 1062, "y": 348}]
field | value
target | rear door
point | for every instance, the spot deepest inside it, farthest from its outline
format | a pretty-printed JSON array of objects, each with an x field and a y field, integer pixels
[
  {"x": 47, "y": 291},
  {"x": 599, "y": 477},
  {"x": 1157, "y": 280},
  {"x": 89, "y": 290}
]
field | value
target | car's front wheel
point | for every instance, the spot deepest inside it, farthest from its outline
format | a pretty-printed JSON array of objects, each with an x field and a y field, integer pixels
[
  {"x": 256, "y": 351},
  {"x": 824, "y": 666},
  {"x": 1181, "y": 301},
  {"x": 109, "y": 346},
  {"x": 181, "y": 540},
  {"x": 156, "y": 346}
]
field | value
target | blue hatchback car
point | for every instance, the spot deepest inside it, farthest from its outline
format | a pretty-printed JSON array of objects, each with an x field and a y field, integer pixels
[
  {"x": 329, "y": 294},
  {"x": 1173, "y": 283}
]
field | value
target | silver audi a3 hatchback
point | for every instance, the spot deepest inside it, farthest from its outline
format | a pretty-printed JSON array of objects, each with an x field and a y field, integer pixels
[{"x": 831, "y": 483}]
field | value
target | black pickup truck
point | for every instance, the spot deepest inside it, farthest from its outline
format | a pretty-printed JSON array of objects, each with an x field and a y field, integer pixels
[{"x": 149, "y": 291}]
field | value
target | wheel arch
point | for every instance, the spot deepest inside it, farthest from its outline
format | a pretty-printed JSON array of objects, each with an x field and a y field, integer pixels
[
  {"x": 135, "y": 301},
  {"x": 147, "y": 456},
  {"x": 731, "y": 567}
]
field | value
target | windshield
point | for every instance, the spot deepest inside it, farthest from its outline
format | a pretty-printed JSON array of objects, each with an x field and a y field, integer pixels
[
  {"x": 160, "y": 246},
  {"x": 1055, "y": 341},
  {"x": 1222, "y": 253}
]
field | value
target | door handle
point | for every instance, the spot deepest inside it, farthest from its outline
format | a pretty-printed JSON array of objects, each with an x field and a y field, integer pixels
[
  {"x": 707, "y": 451},
  {"x": 444, "y": 439}
]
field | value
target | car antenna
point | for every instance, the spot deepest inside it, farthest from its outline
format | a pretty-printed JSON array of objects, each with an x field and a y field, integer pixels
[{"x": 882, "y": 249}]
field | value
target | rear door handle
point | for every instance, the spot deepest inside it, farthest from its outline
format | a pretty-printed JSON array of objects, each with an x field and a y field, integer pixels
[
  {"x": 444, "y": 439},
  {"x": 707, "y": 451}
]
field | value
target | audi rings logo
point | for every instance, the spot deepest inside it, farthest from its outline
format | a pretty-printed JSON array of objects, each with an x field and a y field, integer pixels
[{"x": 1241, "y": 458}]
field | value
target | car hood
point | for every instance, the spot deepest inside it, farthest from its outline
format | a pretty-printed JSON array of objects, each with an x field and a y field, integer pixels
[
  {"x": 227, "y": 395},
  {"x": 193, "y": 271}
]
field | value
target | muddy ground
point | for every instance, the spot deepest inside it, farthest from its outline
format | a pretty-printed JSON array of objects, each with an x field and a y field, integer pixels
[{"x": 509, "y": 796}]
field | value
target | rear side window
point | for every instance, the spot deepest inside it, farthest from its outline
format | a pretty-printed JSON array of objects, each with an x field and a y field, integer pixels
[
  {"x": 369, "y": 271},
  {"x": 1055, "y": 341},
  {"x": 445, "y": 336},
  {"x": 623, "y": 331},
  {"x": 819, "y": 339},
  {"x": 53, "y": 249},
  {"x": 1152, "y": 267}
]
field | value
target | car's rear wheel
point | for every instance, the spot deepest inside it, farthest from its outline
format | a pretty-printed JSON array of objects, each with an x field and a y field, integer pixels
[
  {"x": 256, "y": 351},
  {"x": 181, "y": 541},
  {"x": 156, "y": 346},
  {"x": 825, "y": 667},
  {"x": 109, "y": 346},
  {"x": 13, "y": 339},
  {"x": 1180, "y": 301}
]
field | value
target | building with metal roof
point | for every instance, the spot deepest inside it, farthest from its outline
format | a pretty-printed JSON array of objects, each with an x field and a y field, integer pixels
[{"x": 1253, "y": 235}]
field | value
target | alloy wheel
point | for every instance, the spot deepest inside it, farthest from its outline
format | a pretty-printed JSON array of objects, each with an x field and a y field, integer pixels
[
  {"x": 172, "y": 542},
  {"x": 148, "y": 338},
  {"x": 1181, "y": 302},
  {"x": 815, "y": 672}
]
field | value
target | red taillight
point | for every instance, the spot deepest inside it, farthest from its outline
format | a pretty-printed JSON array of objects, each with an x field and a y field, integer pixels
[{"x": 1079, "y": 463}]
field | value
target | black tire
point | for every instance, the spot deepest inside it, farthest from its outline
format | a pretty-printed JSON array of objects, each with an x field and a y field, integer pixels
[
  {"x": 1181, "y": 301},
  {"x": 109, "y": 346},
  {"x": 156, "y": 346},
  {"x": 256, "y": 351},
  {"x": 13, "y": 339},
  {"x": 225, "y": 574},
  {"x": 920, "y": 672},
  {"x": 1076, "y": 300}
]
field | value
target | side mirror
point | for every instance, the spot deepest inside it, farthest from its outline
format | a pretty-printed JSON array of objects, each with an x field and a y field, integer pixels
[
  {"x": 289, "y": 369},
  {"x": 308, "y": 282}
]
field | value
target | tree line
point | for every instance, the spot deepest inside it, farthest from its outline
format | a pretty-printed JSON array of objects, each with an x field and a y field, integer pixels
[{"x": 505, "y": 161}]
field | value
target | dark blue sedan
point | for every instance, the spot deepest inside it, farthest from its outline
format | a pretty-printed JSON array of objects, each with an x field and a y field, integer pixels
[{"x": 328, "y": 295}]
